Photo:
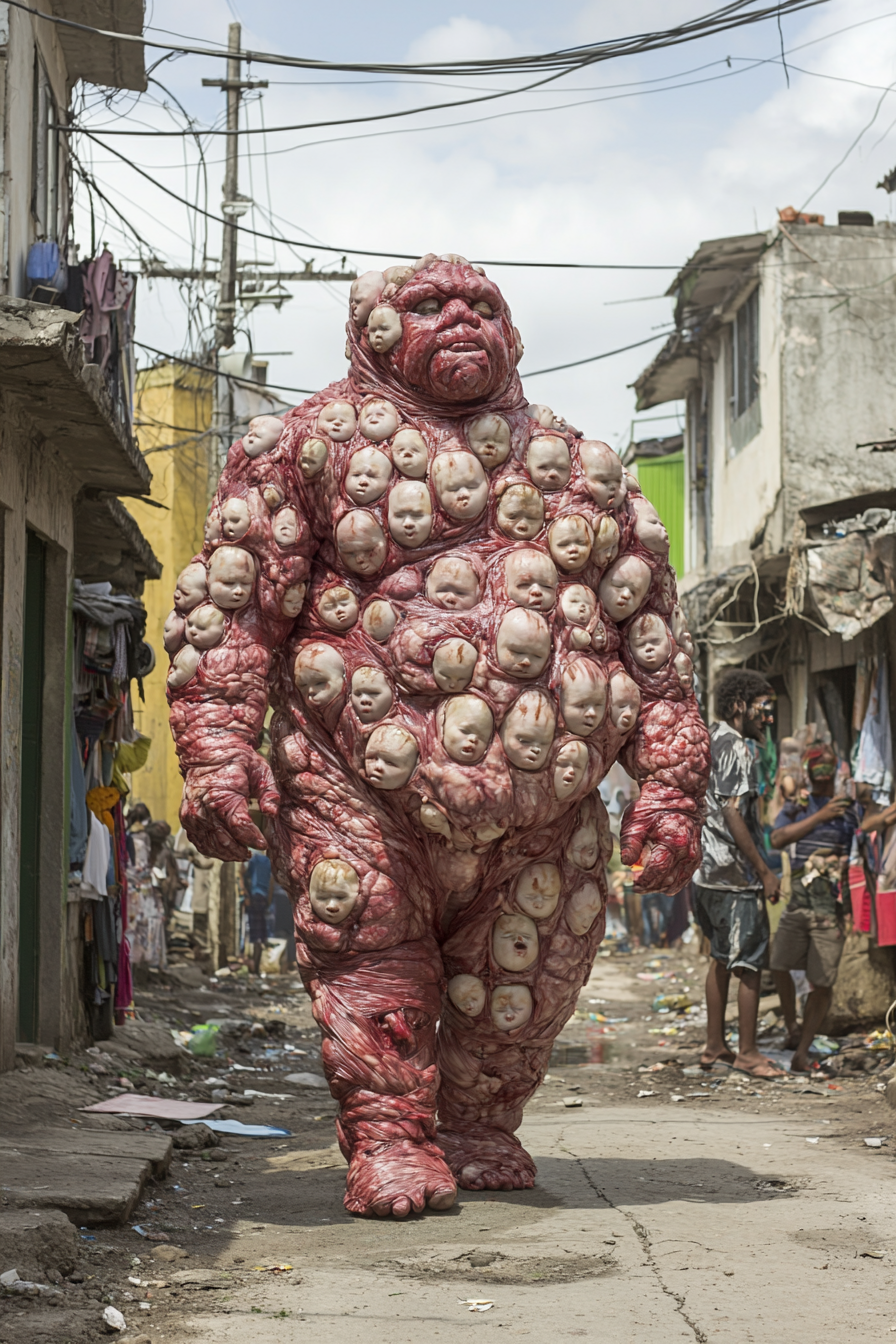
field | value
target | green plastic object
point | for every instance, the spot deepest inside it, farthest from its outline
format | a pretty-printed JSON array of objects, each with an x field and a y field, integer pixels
[{"x": 204, "y": 1040}]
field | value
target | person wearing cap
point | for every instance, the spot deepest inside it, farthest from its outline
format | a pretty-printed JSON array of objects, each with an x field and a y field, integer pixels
[{"x": 817, "y": 829}]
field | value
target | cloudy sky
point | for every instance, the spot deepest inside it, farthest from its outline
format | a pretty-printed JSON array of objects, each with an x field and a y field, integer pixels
[{"x": 645, "y": 158}]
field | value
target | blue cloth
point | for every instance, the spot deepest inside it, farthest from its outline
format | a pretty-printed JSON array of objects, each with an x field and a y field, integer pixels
[
  {"x": 834, "y": 835},
  {"x": 79, "y": 824},
  {"x": 257, "y": 875},
  {"x": 656, "y": 912}
]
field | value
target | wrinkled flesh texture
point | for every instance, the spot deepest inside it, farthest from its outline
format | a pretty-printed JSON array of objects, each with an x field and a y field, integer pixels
[{"x": 427, "y": 903}]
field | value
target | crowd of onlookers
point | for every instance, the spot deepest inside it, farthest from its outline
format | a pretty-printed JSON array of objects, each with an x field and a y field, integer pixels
[{"x": 780, "y": 830}]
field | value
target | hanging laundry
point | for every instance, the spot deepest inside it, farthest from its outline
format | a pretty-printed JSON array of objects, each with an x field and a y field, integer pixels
[
  {"x": 875, "y": 761},
  {"x": 96, "y": 862}
]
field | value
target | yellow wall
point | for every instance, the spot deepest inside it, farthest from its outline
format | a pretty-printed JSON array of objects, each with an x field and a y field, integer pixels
[{"x": 173, "y": 404}]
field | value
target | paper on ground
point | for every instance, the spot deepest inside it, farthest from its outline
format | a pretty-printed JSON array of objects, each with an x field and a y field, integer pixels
[{"x": 156, "y": 1108}]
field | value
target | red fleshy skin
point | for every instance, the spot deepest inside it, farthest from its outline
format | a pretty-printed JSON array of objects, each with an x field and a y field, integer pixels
[{"x": 307, "y": 577}]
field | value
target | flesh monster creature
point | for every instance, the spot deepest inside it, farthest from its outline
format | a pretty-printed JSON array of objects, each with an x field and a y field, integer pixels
[{"x": 436, "y": 591}]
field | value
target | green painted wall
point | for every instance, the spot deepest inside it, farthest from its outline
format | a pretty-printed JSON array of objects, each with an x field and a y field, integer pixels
[{"x": 662, "y": 481}]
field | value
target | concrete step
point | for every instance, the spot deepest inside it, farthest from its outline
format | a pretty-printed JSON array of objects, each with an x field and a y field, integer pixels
[{"x": 92, "y": 1176}]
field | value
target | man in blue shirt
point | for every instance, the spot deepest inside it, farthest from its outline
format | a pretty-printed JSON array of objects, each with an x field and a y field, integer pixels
[
  {"x": 258, "y": 888},
  {"x": 817, "y": 829}
]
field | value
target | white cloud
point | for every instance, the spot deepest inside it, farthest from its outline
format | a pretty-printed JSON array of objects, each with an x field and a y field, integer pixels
[{"x": 462, "y": 38}]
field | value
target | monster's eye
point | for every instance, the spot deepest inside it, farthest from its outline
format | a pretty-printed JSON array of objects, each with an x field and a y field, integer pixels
[
  {"x": 484, "y": 308},
  {"x": 428, "y": 307}
]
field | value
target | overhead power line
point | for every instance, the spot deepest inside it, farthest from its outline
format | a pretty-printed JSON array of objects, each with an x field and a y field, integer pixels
[
  {"x": 574, "y": 364},
  {"x": 737, "y": 14},
  {"x": 222, "y": 373}
]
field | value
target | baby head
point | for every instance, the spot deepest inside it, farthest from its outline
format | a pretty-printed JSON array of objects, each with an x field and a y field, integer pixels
[
  {"x": 583, "y": 697},
  {"x": 537, "y": 890},
  {"x": 520, "y": 513},
  {"x": 410, "y": 513},
  {"x": 514, "y": 942},
  {"x": 173, "y": 632},
  {"x": 548, "y": 463},
  {"x": 606, "y": 541},
  {"x": 231, "y": 577},
  {"x": 578, "y": 603},
  {"x": 570, "y": 540},
  {"x": 338, "y": 608},
  {"x": 649, "y": 527},
  {"x": 583, "y": 845},
  {"x": 625, "y": 701},
  {"x": 467, "y": 993},
  {"x": 467, "y": 726},
  {"x": 191, "y": 587},
  {"x": 312, "y": 457},
  {"x": 452, "y": 583},
  {"x": 603, "y": 473},
  {"x": 205, "y": 626},
  {"x": 378, "y": 420},
  {"x": 624, "y": 587},
  {"x": 409, "y": 453},
  {"x": 461, "y": 485},
  {"x": 649, "y": 641},
  {"x": 262, "y": 435},
  {"x": 183, "y": 666},
  {"x": 685, "y": 671},
  {"x": 333, "y": 890},
  {"x": 293, "y": 600},
  {"x": 319, "y": 674},
  {"x": 531, "y": 579},
  {"x": 523, "y": 645},
  {"x": 361, "y": 542},
  {"x": 383, "y": 330},
  {"x": 583, "y": 907},
  {"x": 570, "y": 765},
  {"x": 511, "y": 1007},
  {"x": 364, "y": 295},
  {"x": 390, "y": 757},
  {"x": 489, "y": 439},
  {"x": 367, "y": 476},
  {"x": 528, "y": 730},
  {"x": 541, "y": 414},
  {"x": 379, "y": 619},
  {"x": 453, "y": 664},
  {"x": 371, "y": 694},
  {"x": 235, "y": 518},
  {"x": 338, "y": 421},
  {"x": 286, "y": 527}
]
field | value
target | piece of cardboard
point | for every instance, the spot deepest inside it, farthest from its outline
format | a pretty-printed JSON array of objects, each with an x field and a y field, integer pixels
[{"x": 155, "y": 1108}]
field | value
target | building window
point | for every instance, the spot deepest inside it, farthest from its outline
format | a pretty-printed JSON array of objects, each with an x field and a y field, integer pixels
[
  {"x": 44, "y": 156},
  {"x": 744, "y": 372}
]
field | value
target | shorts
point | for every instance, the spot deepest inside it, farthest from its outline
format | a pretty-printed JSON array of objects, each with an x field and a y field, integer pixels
[
  {"x": 806, "y": 942},
  {"x": 736, "y": 924}
]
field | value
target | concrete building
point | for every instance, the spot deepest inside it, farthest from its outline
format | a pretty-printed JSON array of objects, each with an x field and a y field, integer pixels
[
  {"x": 66, "y": 454},
  {"x": 783, "y": 354}
]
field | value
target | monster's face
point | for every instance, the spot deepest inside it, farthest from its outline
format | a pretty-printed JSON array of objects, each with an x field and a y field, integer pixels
[{"x": 457, "y": 339}]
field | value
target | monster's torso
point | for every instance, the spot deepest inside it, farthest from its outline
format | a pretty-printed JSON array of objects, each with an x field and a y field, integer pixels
[{"x": 492, "y": 792}]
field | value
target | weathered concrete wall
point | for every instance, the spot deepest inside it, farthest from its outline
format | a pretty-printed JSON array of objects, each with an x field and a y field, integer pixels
[
  {"x": 838, "y": 363},
  {"x": 36, "y": 491},
  {"x": 745, "y": 483}
]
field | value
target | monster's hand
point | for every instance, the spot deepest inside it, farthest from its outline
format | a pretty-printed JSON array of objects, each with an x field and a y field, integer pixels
[
  {"x": 660, "y": 845},
  {"x": 215, "y": 807},
  {"x": 669, "y": 757}
]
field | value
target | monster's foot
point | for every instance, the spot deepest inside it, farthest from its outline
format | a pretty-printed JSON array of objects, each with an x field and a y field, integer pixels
[
  {"x": 486, "y": 1158},
  {"x": 395, "y": 1179}
]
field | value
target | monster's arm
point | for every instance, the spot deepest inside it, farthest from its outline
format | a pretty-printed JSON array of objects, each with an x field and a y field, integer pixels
[
  {"x": 218, "y": 713},
  {"x": 669, "y": 757}
]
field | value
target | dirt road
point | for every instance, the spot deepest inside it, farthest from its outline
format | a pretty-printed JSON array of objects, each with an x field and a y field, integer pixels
[{"x": 709, "y": 1208}]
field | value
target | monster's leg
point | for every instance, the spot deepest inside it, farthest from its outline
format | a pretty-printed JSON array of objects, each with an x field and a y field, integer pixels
[
  {"x": 375, "y": 984},
  {"x": 488, "y": 1074}
]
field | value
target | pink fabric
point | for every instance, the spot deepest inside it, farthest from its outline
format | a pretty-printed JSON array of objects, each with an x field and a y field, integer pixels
[
  {"x": 886, "y": 918},
  {"x": 861, "y": 899}
]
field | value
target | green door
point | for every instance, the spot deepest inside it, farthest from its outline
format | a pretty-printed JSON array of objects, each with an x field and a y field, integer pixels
[
  {"x": 662, "y": 481},
  {"x": 30, "y": 795}
]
